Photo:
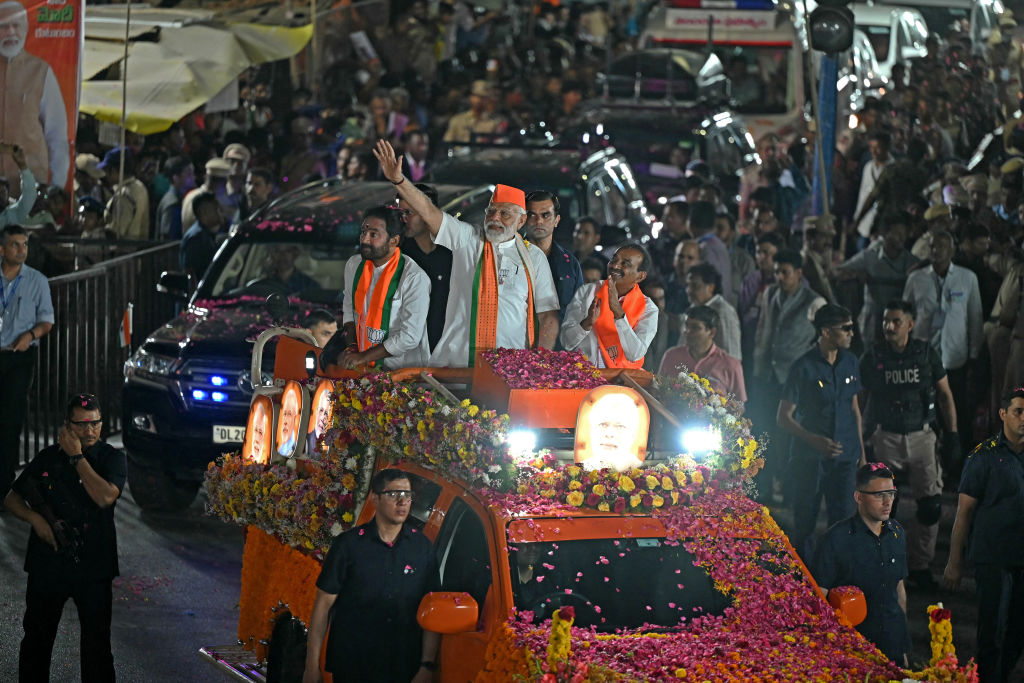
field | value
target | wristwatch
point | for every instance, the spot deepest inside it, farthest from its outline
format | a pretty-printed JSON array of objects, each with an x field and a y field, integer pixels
[
  {"x": 75, "y": 459},
  {"x": 429, "y": 666}
]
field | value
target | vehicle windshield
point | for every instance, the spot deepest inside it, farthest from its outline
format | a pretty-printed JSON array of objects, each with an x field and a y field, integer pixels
[
  {"x": 621, "y": 583},
  {"x": 944, "y": 21},
  {"x": 304, "y": 269},
  {"x": 879, "y": 37},
  {"x": 755, "y": 73}
]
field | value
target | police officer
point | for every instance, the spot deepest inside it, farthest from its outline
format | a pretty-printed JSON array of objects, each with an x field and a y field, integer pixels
[
  {"x": 67, "y": 493},
  {"x": 869, "y": 550},
  {"x": 903, "y": 377},
  {"x": 819, "y": 408},
  {"x": 989, "y": 511}
]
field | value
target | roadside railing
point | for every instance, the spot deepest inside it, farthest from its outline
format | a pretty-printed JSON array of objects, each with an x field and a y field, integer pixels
[{"x": 83, "y": 351}]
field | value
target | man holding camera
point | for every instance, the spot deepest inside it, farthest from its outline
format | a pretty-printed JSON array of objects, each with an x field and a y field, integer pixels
[{"x": 67, "y": 493}]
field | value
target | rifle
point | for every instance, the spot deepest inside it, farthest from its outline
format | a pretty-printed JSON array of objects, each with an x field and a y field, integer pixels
[{"x": 69, "y": 539}]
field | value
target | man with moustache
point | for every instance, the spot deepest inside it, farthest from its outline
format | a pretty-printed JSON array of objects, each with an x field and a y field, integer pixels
[
  {"x": 542, "y": 218},
  {"x": 33, "y": 110},
  {"x": 613, "y": 322},
  {"x": 385, "y": 300},
  {"x": 869, "y": 550},
  {"x": 503, "y": 294},
  {"x": 435, "y": 260}
]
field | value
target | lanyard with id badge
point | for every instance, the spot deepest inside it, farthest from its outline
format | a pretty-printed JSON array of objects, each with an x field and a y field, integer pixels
[
  {"x": 6, "y": 298},
  {"x": 939, "y": 315}
]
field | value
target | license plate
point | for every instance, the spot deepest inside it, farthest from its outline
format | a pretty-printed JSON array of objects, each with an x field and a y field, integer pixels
[{"x": 228, "y": 434}]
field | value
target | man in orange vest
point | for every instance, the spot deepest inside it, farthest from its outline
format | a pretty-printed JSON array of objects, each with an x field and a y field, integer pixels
[{"x": 611, "y": 321}]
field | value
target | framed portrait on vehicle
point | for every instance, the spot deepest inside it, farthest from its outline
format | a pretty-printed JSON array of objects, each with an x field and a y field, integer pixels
[
  {"x": 611, "y": 429},
  {"x": 319, "y": 419},
  {"x": 259, "y": 431},
  {"x": 292, "y": 414}
]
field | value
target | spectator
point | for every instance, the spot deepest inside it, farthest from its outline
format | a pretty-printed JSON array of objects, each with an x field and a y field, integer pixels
[
  {"x": 128, "y": 210},
  {"x": 302, "y": 160},
  {"x": 673, "y": 231},
  {"x": 879, "y": 144},
  {"x": 819, "y": 409},
  {"x": 702, "y": 288},
  {"x": 88, "y": 175},
  {"x": 199, "y": 243},
  {"x": 27, "y": 315},
  {"x": 478, "y": 119},
  {"x": 168, "y": 214},
  {"x": 322, "y": 324},
  {"x": 259, "y": 190},
  {"x": 700, "y": 354},
  {"x": 740, "y": 260},
  {"x": 654, "y": 289},
  {"x": 754, "y": 285},
  {"x": 361, "y": 166},
  {"x": 817, "y": 253},
  {"x": 232, "y": 195},
  {"x": 586, "y": 238},
  {"x": 217, "y": 172},
  {"x": 417, "y": 143},
  {"x": 593, "y": 270}
]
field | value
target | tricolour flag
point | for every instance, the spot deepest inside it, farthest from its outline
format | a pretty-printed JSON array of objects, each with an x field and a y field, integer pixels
[{"x": 126, "y": 327}]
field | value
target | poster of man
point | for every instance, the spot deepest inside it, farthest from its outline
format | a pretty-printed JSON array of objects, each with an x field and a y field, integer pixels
[
  {"x": 40, "y": 45},
  {"x": 259, "y": 430},
  {"x": 289, "y": 419},
  {"x": 611, "y": 429},
  {"x": 320, "y": 418}
]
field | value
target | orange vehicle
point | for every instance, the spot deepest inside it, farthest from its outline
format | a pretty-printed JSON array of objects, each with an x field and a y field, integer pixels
[{"x": 664, "y": 570}]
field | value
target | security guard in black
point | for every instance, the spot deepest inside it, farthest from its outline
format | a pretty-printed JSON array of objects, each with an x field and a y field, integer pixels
[{"x": 902, "y": 385}]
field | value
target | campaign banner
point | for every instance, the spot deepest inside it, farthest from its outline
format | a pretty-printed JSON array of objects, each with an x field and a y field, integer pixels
[{"x": 40, "y": 57}]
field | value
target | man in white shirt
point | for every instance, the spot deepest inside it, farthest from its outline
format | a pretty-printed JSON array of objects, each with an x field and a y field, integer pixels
[
  {"x": 502, "y": 294},
  {"x": 613, "y": 330},
  {"x": 385, "y": 302},
  {"x": 949, "y": 317},
  {"x": 878, "y": 145}
]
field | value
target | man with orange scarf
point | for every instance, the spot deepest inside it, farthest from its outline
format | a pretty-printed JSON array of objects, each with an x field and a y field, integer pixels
[
  {"x": 502, "y": 294},
  {"x": 611, "y": 321},
  {"x": 385, "y": 300}
]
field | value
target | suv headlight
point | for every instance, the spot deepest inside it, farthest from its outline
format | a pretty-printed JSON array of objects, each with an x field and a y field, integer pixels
[{"x": 148, "y": 365}]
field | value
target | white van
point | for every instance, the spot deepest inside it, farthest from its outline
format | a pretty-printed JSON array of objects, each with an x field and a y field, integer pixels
[
  {"x": 761, "y": 50},
  {"x": 945, "y": 17},
  {"x": 897, "y": 34}
]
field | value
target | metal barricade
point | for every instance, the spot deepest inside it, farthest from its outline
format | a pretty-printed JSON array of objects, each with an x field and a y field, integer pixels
[{"x": 83, "y": 351}]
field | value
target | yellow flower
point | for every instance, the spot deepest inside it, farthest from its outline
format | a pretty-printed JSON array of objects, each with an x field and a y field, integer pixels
[
  {"x": 466, "y": 403},
  {"x": 575, "y": 485},
  {"x": 680, "y": 477},
  {"x": 626, "y": 484},
  {"x": 573, "y": 470},
  {"x": 652, "y": 482},
  {"x": 603, "y": 506},
  {"x": 349, "y": 482},
  {"x": 634, "y": 500},
  {"x": 356, "y": 404},
  {"x": 575, "y": 498},
  {"x": 658, "y": 501},
  {"x": 347, "y": 518},
  {"x": 599, "y": 489},
  {"x": 473, "y": 410},
  {"x": 666, "y": 483},
  {"x": 696, "y": 477},
  {"x": 675, "y": 497}
]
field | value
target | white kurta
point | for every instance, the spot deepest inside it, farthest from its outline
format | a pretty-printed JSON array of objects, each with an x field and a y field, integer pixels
[
  {"x": 634, "y": 341},
  {"x": 407, "y": 332},
  {"x": 466, "y": 244}
]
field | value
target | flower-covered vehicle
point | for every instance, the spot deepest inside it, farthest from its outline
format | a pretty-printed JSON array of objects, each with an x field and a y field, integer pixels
[{"x": 550, "y": 570}]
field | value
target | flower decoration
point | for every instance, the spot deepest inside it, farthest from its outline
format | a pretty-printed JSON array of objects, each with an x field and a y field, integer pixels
[
  {"x": 543, "y": 369},
  {"x": 941, "y": 630}
]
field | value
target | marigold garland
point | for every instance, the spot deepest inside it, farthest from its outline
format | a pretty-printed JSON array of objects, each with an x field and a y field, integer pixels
[{"x": 941, "y": 629}]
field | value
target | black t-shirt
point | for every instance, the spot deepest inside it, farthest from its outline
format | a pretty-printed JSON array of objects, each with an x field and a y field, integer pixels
[
  {"x": 61, "y": 487},
  {"x": 438, "y": 267},
  {"x": 902, "y": 385},
  {"x": 374, "y": 635},
  {"x": 850, "y": 554},
  {"x": 994, "y": 475}
]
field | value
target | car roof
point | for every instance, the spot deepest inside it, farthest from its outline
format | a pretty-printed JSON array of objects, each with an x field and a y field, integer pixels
[
  {"x": 880, "y": 15},
  {"x": 526, "y": 168},
  {"x": 320, "y": 209}
]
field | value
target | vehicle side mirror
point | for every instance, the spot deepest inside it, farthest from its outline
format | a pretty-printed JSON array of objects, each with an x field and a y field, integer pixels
[
  {"x": 848, "y": 602},
  {"x": 450, "y": 612},
  {"x": 174, "y": 283}
]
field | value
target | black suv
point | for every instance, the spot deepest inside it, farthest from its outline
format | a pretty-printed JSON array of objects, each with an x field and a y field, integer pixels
[
  {"x": 188, "y": 386},
  {"x": 598, "y": 184}
]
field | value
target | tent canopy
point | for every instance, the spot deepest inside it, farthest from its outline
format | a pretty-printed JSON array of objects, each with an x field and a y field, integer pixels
[{"x": 193, "y": 59}]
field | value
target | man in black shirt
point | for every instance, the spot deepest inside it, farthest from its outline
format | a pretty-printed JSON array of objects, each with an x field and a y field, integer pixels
[
  {"x": 542, "y": 218},
  {"x": 989, "y": 510},
  {"x": 369, "y": 590},
  {"x": 869, "y": 550},
  {"x": 75, "y": 483},
  {"x": 435, "y": 260}
]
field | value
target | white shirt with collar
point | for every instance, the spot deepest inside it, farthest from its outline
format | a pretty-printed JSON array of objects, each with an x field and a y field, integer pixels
[
  {"x": 728, "y": 337},
  {"x": 949, "y": 315},
  {"x": 868, "y": 179},
  {"x": 466, "y": 243},
  {"x": 407, "y": 331},
  {"x": 634, "y": 340}
]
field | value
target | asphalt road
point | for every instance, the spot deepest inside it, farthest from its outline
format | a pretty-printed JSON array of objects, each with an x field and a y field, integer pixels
[{"x": 178, "y": 591}]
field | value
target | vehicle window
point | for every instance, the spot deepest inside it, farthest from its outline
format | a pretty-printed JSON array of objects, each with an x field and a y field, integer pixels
[
  {"x": 661, "y": 581},
  {"x": 310, "y": 271},
  {"x": 462, "y": 554},
  {"x": 425, "y": 494},
  {"x": 755, "y": 73},
  {"x": 945, "y": 20},
  {"x": 879, "y": 37}
]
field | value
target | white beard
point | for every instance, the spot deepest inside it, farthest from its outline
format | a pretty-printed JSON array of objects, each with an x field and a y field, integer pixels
[
  {"x": 505, "y": 235},
  {"x": 10, "y": 49}
]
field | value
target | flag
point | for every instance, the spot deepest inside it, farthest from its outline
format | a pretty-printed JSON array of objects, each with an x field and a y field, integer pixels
[{"x": 125, "y": 334}]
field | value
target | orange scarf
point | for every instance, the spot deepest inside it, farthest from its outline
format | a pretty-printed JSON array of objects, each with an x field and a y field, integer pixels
[
  {"x": 372, "y": 327},
  {"x": 483, "y": 329},
  {"x": 607, "y": 336}
]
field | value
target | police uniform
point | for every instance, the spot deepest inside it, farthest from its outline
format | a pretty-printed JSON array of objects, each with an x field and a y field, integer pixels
[
  {"x": 850, "y": 554},
  {"x": 994, "y": 476},
  {"x": 902, "y": 403},
  {"x": 823, "y": 394}
]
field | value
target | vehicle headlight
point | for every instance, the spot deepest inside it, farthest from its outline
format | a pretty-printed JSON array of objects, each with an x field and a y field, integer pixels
[{"x": 150, "y": 365}]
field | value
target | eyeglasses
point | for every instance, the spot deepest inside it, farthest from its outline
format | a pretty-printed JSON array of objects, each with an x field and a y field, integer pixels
[
  {"x": 881, "y": 495},
  {"x": 506, "y": 214},
  {"x": 87, "y": 424},
  {"x": 398, "y": 495}
]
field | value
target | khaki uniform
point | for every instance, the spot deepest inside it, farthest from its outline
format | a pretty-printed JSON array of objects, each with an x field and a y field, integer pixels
[{"x": 462, "y": 126}]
